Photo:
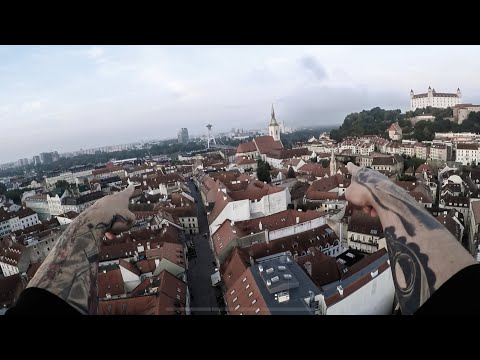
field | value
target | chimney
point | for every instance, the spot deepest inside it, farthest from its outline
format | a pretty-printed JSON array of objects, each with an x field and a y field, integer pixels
[
  {"x": 260, "y": 226},
  {"x": 308, "y": 267},
  {"x": 297, "y": 219}
]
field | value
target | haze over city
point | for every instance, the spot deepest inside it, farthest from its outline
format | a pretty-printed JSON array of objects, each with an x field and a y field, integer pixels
[{"x": 70, "y": 97}]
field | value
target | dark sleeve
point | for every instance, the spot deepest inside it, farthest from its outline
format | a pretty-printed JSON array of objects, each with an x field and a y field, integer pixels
[
  {"x": 459, "y": 295},
  {"x": 36, "y": 301}
]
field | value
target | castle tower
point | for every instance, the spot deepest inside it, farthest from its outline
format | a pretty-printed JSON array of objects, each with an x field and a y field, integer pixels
[
  {"x": 333, "y": 164},
  {"x": 430, "y": 92},
  {"x": 274, "y": 128},
  {"x": 459, "y": 93},
  {"x": 411, "y": 94}
]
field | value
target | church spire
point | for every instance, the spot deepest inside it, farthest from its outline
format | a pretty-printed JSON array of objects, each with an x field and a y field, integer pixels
[
  {"x": 273, "y": 121},
  {"x": 333, "y": 165}
]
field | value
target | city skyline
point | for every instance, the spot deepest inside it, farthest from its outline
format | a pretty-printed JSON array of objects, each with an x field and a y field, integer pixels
[{"x": 69, "y": 97}]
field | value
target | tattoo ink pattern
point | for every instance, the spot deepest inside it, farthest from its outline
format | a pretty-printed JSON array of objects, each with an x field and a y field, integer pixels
[
  {"x": 419, "y": 279},
  {"x": 70, "y": 269},
  {"x": 405, "y": 255}
]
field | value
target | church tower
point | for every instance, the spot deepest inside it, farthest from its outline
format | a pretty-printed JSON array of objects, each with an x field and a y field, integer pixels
[
  {"x": 333, "y": 165},
  {"x": 274, "y": 128}
]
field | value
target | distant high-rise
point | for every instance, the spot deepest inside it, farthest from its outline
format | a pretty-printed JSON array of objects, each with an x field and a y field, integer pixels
[
  {"x": 183, "y": 136},
  {"x": 48, "y": 157},
  {"x": 36, "y": 160}
]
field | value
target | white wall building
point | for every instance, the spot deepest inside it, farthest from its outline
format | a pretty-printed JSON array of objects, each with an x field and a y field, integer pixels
[
  {"x": 467, "y": 153},
  {"x": 379, "y": 286},
  {"x": 434, "y": 99},
  {"x": 438, "y": 152},
  {"x": 247, "y": 209}
]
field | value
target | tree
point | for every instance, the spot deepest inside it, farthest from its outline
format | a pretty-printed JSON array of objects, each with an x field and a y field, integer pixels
[
  {"x": 263, "y": 171},
  {"x": 290, "y": 173},
  {"x": 3, "y": 189},
  {"x": 313, "y": 159},
  {"x": 62, "y": 184},
  {"x": 325, "y": 163}
]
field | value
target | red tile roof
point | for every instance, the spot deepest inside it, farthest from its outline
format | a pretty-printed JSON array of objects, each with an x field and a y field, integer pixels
[
  {"x": 10, "y": 287},
  {"x": 246, "y": 147},
  {"x": 129, "y": 266},
  {"x": 315, "y": 169},
  {"x": 241, "y": 160},
  {"x": 364, "y": 224},
  {"x": 146, "y": 266},
  {"x": 466, "y": 146},
  {"x": 110, "y": 282},
  {"x": 265, "y": 144},
  {"x": 422, "y": 167},
  {"x": 312, "y": 240},
  {"x": 244, "y": 297},
  {"x": 323, "y": 268},
  {"x": 234, "y": 266}
]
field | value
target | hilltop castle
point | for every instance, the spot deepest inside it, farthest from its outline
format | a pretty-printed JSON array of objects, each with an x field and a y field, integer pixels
[{"x": 434, "y": 99}]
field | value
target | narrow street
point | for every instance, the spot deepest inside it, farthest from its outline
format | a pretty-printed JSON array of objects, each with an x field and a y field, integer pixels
[{"x": 200, "y": 268}]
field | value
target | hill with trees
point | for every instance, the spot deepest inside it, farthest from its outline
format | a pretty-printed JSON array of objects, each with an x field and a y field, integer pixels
[
  {"x": 368, "y": 122},
  {"x": 377, "y": 121}
]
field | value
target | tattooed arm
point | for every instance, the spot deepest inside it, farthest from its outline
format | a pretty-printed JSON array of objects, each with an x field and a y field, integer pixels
[
  {"x": 70, "y": 269},
  {"x": 423, "y": 253}
]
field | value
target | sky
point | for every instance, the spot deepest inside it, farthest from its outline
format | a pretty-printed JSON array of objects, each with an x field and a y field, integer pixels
[{"x": 65, "y": 98}]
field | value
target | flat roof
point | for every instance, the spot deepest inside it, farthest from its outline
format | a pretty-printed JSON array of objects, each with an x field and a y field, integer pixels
[{"x": 296, "y": 284}]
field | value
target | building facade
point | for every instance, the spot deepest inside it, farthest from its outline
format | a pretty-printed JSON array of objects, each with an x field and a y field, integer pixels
[
  {"x": 183, "y": 136},
  {"x": 434, "y": 99}
]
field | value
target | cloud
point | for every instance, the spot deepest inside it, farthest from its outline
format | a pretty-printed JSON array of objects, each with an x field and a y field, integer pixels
[
  {"x": 325, "y": 105},
  {"x": 96, "y": 53},
  {"x": 312, "y": 65}
]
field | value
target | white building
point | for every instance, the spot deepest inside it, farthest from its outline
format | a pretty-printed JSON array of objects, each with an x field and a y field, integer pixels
[
  {"x": 434, "y": 99},
  {"x": 348, "y": 297},
  {"x": 467, "y": 153},
  {"x": 19, "y": 220},
  {"x": 248, "y": 205},
  {"x": 474, "y": 211},
  {"x": 438, "y": 152},
  {"x": 461, "y": 111},
  {"x": 47, "y": 206},
  {"x": 395, "y": 132},
  {"x": 69, "y": 176},
  {"x": 364, "y": 232}
]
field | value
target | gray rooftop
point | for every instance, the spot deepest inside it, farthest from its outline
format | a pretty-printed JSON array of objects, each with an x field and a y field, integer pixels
[
  {"x": 284, "y": 285},
  {"x": 330, "y": 289}
]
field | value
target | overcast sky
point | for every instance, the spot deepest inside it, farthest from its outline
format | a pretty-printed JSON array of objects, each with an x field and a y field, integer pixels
[{"x": 69, "y": 97}]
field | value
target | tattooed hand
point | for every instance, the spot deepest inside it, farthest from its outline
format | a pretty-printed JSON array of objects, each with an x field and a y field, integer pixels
[
  {"x": 70, "y": 269},
  {"x": 423, "y": 253}
]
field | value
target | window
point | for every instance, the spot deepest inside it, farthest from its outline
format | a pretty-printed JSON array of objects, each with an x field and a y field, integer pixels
[
  {"x": 235, "y": 299},
  {"x": 248, "y": 285},
  {"x": 237, "y": 307},
  {"x": 178, "y": 297},
  {"x": 254, "y": 301},
  {"x": 251, "y": 293},
  {"x": 257, "y": 311},
  {"x": 244, "y": 279},
  {"x": 231, "y": 292}
]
